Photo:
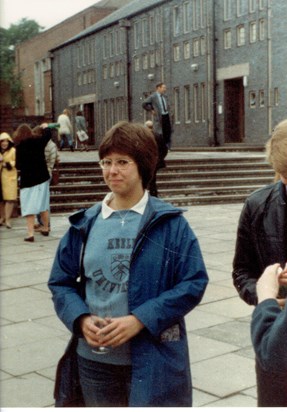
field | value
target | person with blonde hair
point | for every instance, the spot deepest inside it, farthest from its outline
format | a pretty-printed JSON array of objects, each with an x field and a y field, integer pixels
[
  {"x": 8, "y": 181},
  {"x": 65, "y": 130},
  {"x": 261, "y": 242}
]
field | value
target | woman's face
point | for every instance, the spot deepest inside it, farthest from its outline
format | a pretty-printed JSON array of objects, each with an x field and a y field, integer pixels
[
  {"x": 4, "y": 144},
  {"x": 121, "y": 175}
]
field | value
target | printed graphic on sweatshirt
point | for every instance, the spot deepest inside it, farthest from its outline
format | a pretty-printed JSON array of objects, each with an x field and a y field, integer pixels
[{"x": 114, "y": 277}]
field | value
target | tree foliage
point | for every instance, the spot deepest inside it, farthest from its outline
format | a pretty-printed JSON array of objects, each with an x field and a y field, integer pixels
[{"x": 9, "y": 39}]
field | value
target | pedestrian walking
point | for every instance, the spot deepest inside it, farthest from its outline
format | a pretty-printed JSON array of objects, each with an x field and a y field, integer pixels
[
  {"x": 65, "y": 130},
  {"x": 82, "y": 131},
  {"x": 143, "y": 272}
]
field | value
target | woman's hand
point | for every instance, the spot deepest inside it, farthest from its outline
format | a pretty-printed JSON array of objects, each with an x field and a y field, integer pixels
[
  {"x": 119, "y": 331},
  {"x": 268, "y": 284},
  {"x": 90, "y": 326}
]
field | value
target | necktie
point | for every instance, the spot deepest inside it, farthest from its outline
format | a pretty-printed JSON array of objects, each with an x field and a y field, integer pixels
[{"x": 163, "y": 103}]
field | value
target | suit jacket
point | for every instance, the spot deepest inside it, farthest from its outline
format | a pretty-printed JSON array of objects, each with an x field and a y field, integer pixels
[{"x": 153, "y": 103}]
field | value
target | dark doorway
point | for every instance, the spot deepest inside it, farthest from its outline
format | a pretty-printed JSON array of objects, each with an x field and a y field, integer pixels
[
  {"x": 234, "y": 129},
  {"x": 90, "y": 119}
]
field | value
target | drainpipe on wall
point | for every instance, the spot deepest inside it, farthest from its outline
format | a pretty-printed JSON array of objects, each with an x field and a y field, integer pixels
[
  {"x": 269, "y": 67},
  {"x": 126, "y": 24},
  {"x": 51, "y": 57},
  {"x": 214, "y": 77}
]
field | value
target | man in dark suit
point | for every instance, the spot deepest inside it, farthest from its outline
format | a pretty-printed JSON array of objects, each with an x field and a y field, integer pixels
[{"x": 157, "y": 104}]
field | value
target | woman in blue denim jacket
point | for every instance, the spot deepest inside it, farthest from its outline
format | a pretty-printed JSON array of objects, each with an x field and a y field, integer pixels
[{"x": 141, "y": 261}]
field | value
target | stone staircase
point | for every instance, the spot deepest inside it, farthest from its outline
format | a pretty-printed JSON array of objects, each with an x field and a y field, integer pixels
[{"x": 183, "y": 182}]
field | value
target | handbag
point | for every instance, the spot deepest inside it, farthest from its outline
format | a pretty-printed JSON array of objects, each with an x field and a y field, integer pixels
[
  {"x": 82, "y": 135},
  {"x": 55, "y": 175},
  {"x": 67, "y": 391}
]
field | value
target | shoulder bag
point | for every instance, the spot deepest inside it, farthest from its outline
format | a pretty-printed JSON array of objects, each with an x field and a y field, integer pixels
[{"x": 67, "y": 390}]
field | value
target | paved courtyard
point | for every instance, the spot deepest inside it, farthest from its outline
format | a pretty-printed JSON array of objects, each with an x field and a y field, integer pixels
[{"x": 33, "y": 339}]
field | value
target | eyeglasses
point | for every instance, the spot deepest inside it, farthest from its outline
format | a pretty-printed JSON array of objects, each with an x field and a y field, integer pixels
[{"x": 121, "y": 164}]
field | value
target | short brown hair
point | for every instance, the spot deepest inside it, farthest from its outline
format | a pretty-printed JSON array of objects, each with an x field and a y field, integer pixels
[
  {"x": 136, "y": 141},
  {"x": 276, "y": 149}
]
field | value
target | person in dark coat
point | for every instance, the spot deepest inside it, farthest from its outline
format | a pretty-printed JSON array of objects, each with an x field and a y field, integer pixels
[
  {"x": 144, "y": 269},
  {"x": 262, "y": 241},
  {"x": 162, "y": 152},
  {"x": 34, "y": 176}
]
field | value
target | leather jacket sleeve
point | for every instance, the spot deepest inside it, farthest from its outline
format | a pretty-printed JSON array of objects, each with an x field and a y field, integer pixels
[{"x": 246, "y": 268}]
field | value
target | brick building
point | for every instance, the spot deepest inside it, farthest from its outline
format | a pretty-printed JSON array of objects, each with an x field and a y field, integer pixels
[
  {"x": 219, "y": 60},
  {"x": 33, "y": 60}
]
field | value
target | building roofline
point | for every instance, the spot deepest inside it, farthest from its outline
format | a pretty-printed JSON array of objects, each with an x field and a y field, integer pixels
[{"x": 126, "y": 12}]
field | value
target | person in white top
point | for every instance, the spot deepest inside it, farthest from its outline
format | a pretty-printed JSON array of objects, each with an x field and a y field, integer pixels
[{"x": 65, "y": 130}]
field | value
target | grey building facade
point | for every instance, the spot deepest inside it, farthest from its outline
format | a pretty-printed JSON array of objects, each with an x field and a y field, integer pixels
[{"x": 223, "y": 62}]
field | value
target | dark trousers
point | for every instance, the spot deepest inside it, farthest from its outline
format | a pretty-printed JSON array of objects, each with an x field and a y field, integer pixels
[
  {"x": 162, "y": 152},
  {"x": 166, "y": 129},
  {"x": 104, "y": 384},
  {"x": 271, "y": 387}
]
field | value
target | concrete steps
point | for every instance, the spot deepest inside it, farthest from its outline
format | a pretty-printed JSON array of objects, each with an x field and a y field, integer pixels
[{"x": 183, "y": 182}]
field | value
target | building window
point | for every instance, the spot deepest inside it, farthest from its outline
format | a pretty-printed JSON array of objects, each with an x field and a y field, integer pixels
[
  {"x": 203, "y": 102},
  {"x": 252, "y": 5},
  {"x": 137, "y": 63},
  {"x": 240, "y": 35},
  {"x": 187, "y": 110},
  {"x": 176, "y": 105},
  {"x": 145, "y": 32},
  {"x": 106, "y": 115},
  {"x": 151, "y": 29},
  {"x": 112, "y": 42},
  {"x": 137, "y": 34},
  {"x": 252, "y": 32},
  {"x": 112, "y": 70},
  {"x": 105, "y": 47},
  {"x": 152, "y": 59},
  {"x": 202, "y": 45},
  {"x": 186, "y": 50},
  {"x": 202, "y": 15},
  {"x": 276, "y": 96},
  {"x": 176, "y": 52},
  {"x": 227, "y": 38},
  {"x": 240, "y": 7},
  {"x": 261, "y": 4},
  {"x": 79, "y": 78},
  {"x": 105, "y": 72},
  {"x": 194, "y": 15},
  {"x": 122, "y": 40},
  {"x": 186, "y": 26},
  {"x": 261, "y": 29},
  {"x": 145, "y": 62},
  {"x": 195, "y": 103},
  {"x": 85, "y": 78},
  {"x": 195, "y": 47},
  {"x": 79, "y": 56},
  {"x": 261, "y": 98},
  {"x": 158, "y": 28},
  {"x": 227, "y": 10},
  {"x": 176, "y": 21},
  {"x": 252, "y": 100},
  {"x": 158, "y": 58}
]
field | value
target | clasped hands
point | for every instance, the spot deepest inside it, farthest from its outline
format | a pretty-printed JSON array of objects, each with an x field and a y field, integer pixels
[
  {"x": 111, "y": 332},
  {"x": 268, "y": 284}
]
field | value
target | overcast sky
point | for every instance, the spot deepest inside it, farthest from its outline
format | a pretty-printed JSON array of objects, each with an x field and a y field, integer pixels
[{"x": 46, "y": 13}]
